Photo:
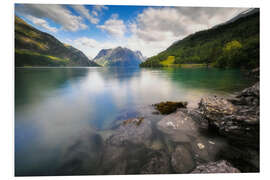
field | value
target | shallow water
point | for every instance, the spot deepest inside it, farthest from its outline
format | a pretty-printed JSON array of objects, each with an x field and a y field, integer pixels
[{"x": 56, "y": 107}]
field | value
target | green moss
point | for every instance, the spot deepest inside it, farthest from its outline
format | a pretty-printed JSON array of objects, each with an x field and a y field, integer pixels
[{"x": 169, "y": 106}]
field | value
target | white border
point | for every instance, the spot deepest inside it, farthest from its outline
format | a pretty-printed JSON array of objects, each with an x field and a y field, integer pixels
[{"x": 7, "y": 84}]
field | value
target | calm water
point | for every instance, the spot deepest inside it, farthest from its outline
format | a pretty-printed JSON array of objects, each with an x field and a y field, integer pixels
[{"x": 55, "y": 105}]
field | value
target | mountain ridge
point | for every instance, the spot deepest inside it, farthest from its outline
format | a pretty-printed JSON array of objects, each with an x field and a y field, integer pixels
[
  {"x": 235, "y": 44},
  {"x": 119, "y": 56},
  {"x": 36, "y": 48}
]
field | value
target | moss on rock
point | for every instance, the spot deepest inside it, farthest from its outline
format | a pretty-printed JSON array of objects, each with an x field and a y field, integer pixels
[{"x": 169, "y": 106}]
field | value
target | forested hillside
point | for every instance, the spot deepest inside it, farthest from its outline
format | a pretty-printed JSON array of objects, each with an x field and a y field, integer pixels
[
  {"x": 36, "y": 48},
  {"x": 234, "y": 44}
]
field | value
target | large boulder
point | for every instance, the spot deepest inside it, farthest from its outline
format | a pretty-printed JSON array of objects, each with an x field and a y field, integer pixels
[
  {"x": 179, "y": 126},
  {"x": 216, "y": 167},
  {"x": 237, "y": 119}
]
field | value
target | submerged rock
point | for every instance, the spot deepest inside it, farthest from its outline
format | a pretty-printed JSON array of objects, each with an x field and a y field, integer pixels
[
  {"x": 156, "y": 144},
  {"x": 83, "y": 155},
  {"x": 125, "y": 150},
  {"x": 181, "y": 160},
  {"x": 169, "y": 107},
  {"x": 157, "y": 164},
  {"x": 216, "y": 167},
  {"x": 112, "y": 160},
  {"x": 136, "y": 121},
  {"x": 136, "y": 131}
]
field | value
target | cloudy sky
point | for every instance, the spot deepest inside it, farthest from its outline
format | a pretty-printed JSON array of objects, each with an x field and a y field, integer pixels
[{"x": 91, "y": 28}]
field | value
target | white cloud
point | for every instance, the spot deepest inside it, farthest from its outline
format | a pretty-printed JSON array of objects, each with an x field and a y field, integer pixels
[
  {"x": 57, "y": 13},
  {"x": 42, "y": 23},
  {"x": 85, "y": 12},
  {"x": 114, "y": 26},
  {"x": 152, "y": 23},
  {"x": 97, "y": 9},
  {"x": 155, "y": 29},
  {"x": 95, "y": 13}
]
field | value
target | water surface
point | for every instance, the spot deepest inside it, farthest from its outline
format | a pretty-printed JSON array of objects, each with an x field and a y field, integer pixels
[{"x": 55, "y": 105}]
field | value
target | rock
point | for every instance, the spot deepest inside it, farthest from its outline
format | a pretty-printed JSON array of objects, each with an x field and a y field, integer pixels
[
  {"x": 76, "y": 157},
  {"x": 169, "y": 107},
  {"x": 119, "y": 168},
  {"x": 136, "y": 130},
  {"x": 134, "y": 159},
  {"x": 181, "y": 160},
  {"x": 244, "y": 158},
  {"x": 201, "y": 146},
  {"x": 136, "y": 121},
  {"x": 237, "y": 122},
  {"x": 125, "y": 150},
  {"x": 203, "y": 150},
  {"x": 157, "y": 144},
  {"x": 179, "y": 126},
  {"x": 214, "y": 109},
  {"x": 255, "y": 73},
  {"x": 221, "y": 166},
  {"x": 250, "y": 96},
  {"x": 198, "y": 117},
  {"x": 113, "y": 161},
  {"x": 157, "y": 164}
]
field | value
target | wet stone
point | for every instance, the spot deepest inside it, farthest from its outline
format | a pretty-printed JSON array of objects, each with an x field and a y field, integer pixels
[
  {"x": 76, "y": 157},
  {"x": 179, "y": 126},
  {"x": 157, "y": 164},
  {"x": 221, "y": 166},
  {"x": 181, "y": 160},
  {"x": 112, "y": 160},
  {"x": 239, "y": 123},
  {"x": 135, "y": 130}
]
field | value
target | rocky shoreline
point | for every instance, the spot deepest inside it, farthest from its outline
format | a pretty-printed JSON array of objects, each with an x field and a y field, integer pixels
[{"x": 135, "y": 147}]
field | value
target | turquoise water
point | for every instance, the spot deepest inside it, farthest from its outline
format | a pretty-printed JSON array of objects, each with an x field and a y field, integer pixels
[{"x": 54, "y": 105}]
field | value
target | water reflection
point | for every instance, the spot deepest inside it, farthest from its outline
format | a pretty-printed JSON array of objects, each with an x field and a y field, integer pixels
[{"x": 57, "y": 108}]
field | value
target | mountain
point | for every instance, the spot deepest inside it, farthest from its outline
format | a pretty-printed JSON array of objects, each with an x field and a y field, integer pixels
[
  {"x": 140, "y": 55},
  {"x": 119, "y": 57},
  {"x": 233, "y": 44},
  {"x": 37, "y": 48},
  {"x": 241, "y": 15}
]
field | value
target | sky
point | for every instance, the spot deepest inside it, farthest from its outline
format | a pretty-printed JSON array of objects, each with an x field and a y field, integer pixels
[{"x": 149, "y": 29}]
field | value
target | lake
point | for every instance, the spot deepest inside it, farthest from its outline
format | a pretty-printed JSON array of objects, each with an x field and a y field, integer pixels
[{"x": 56, "y": 106}]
